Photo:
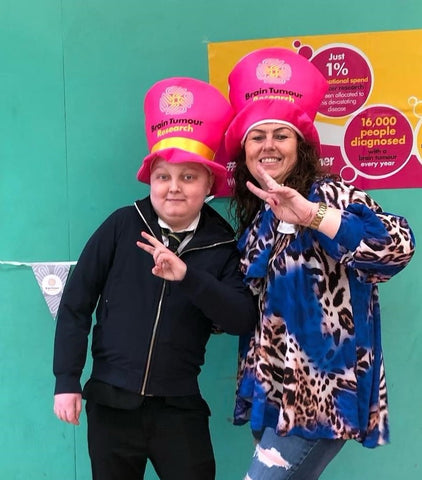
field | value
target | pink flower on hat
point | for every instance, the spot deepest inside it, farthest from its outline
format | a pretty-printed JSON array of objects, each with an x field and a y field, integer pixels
[
  {"x": 175, "y": 100},
  {"x": 273, "y": 70}
]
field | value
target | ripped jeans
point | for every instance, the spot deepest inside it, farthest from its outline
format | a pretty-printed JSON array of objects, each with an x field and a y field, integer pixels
[{"x": 292, "y": 457}]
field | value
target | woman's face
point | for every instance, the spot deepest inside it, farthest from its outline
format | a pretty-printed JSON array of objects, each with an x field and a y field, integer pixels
[{"x": 274, "y": 147}]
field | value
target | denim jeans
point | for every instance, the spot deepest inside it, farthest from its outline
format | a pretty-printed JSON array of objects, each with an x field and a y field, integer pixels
[{"x": 292, "y": 457}]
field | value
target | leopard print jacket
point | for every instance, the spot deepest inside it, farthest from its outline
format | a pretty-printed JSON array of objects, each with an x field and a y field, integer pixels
[{"x": 314, "y": 366}]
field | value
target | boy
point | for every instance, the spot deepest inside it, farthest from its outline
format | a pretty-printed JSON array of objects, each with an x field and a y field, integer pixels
[{"x": 155, "y": 309}]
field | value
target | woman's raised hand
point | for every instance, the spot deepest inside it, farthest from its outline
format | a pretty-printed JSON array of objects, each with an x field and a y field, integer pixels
[{"x": 286, "y": 203}]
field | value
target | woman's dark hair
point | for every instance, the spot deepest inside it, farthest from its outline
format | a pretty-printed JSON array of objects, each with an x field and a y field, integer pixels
[{"x": 244, "y": 205}]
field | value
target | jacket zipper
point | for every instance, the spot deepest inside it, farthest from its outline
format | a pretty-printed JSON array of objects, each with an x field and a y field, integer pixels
[{"x": 152, "y": 341}]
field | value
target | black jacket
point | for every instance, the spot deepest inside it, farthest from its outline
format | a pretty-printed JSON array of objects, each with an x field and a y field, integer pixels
[{"x": 150, "y": 334}]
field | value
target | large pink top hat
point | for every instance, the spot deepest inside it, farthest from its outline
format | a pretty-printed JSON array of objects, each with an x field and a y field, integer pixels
[
  {"x": 274, "y": 85},
  {"x": 185, "y": 121}
]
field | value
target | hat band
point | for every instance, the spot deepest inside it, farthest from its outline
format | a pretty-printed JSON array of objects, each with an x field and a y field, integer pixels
[{"x": 187, "y": 144}]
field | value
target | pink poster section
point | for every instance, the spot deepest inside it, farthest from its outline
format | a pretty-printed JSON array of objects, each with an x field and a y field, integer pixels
[{"x": 377, "y": 147}]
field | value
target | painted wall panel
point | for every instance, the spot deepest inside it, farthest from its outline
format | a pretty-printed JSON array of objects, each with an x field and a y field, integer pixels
[{"x": 72, "y": 80}]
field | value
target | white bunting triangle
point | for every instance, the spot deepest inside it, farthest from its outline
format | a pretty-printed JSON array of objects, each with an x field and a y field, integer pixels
[{"x": 51, "y": 278}]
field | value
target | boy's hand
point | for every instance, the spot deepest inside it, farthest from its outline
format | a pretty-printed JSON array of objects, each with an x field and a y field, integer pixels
[
  {"x": 167, "y": 264},
  {"x": 68, "y": 406}
]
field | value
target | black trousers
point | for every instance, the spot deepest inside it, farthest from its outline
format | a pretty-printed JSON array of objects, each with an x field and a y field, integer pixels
[{"x": 172, "y": 432}]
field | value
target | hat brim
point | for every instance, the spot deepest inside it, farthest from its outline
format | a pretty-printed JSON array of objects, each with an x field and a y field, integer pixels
[
  {"x": 176, "y": 155},
  {"x": 264, "y": 111}
]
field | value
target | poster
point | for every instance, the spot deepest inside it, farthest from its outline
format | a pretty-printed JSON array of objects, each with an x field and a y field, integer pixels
[{"x": 370, "y": 119}]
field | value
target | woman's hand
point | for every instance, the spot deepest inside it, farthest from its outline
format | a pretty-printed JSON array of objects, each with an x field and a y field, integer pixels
[
  {"x": 286, "y": 203},
  {"x": 291, "y": 207},
  {"x": 167, "y": 264}
]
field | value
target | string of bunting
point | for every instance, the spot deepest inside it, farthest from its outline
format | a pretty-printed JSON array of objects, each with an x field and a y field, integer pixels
[{"x": 51, "y": 278}]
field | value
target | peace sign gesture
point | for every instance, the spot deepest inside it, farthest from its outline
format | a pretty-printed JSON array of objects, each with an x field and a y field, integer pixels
[
  {"x": 167, "y": 264},
  {"x": 286, "y": 203}
]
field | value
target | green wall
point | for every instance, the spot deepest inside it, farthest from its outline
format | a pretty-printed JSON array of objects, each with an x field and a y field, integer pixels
[{"x": 72, "y": 79}]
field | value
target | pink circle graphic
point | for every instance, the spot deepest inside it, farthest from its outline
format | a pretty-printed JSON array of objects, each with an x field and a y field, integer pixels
[
  {"x": 349, "y": 76},
  {"x": 306, "y": 51},
  {"x": 378, "y": 141}
]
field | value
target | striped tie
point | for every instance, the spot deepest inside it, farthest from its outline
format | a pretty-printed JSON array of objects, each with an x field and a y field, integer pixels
[{"x": 174, "y": 238}]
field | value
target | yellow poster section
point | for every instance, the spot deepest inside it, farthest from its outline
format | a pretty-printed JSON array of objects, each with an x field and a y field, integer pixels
[{"x": 394, "y": 56}]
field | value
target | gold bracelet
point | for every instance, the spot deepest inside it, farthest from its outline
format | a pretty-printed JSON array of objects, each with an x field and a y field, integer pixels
[{"x": 322, "y": 209}]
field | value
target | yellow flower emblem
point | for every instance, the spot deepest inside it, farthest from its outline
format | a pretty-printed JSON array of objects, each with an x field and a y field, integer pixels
[
  {"x": 274, "y": 70},
  {"x": 176, "y": 100}
]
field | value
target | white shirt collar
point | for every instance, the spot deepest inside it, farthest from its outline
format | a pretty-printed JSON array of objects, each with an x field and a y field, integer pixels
[{"x": 190, "y": 227}]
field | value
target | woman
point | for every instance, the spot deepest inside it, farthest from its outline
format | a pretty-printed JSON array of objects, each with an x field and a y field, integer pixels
[{"x": 313, "y": 250}]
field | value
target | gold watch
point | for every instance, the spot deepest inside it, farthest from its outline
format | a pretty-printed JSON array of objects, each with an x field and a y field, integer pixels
[{"x": 322, "y": 209}]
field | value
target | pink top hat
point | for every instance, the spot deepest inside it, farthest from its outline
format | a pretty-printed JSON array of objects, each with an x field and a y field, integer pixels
[
  {"x": 274, "y": 85},
  {"x": 185, "y": 121}
]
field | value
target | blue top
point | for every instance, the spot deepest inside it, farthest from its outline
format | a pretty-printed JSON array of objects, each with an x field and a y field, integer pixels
[{"x": 314, "y": 366}]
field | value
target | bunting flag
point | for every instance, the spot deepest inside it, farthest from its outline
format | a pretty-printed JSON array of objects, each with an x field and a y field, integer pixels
[{"x": 51, "y": 278}]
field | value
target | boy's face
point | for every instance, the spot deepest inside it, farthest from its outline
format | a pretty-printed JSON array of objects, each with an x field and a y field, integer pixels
[{"x": 178, "y": 191}]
